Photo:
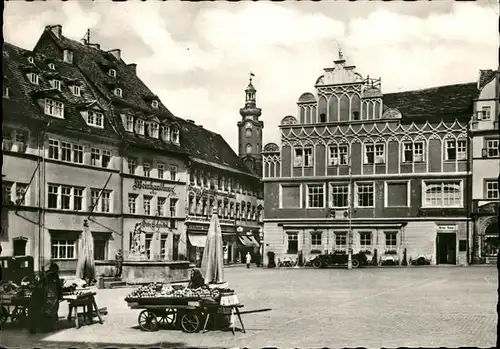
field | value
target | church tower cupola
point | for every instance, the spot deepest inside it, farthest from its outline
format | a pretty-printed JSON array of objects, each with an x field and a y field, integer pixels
[{"x": 250, "y": 110}]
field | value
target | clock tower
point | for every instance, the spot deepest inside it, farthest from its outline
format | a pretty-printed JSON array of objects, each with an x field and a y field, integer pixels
[{"x": 250, "y": 131}]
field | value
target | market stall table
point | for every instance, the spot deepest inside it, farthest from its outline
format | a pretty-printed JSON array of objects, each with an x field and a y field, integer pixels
[{"x": 85, "y": 300}]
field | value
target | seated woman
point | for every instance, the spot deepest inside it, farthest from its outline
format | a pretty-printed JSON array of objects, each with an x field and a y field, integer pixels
[{"x": 197, "y": 279}]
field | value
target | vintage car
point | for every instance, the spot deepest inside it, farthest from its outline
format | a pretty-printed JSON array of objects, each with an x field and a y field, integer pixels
[{"x": 338, "y": 258}]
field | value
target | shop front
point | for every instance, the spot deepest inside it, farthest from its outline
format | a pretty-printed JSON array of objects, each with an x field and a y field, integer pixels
[
  {"x": 196, "y": 238},
  {"x": 248, "y": 241},
  {"x": 486, "y": 242}
]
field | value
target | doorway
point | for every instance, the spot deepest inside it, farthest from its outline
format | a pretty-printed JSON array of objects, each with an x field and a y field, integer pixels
[{"x": 446, "y": 245}]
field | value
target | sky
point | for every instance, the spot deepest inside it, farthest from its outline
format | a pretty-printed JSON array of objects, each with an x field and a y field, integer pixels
[{"x": 197, "y": 56}]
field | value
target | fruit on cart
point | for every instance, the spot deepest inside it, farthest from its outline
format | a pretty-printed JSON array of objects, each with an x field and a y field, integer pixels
[{"x": 155, "y": 290}]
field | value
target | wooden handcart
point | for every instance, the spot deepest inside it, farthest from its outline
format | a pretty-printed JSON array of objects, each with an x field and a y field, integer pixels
[
  {"x": 188, "y": 314},
  {"x": 15, "y": 308}
]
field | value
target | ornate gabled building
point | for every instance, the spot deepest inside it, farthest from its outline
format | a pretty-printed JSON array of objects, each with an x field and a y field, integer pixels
[
  {"x": 59, "y": 148},
  {"x": 388, "y": 173}
]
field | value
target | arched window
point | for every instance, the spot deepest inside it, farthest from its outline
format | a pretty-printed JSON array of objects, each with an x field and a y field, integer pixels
[
  {"x": 248, "y": 132},
  {"x": 249, "y": 149}
]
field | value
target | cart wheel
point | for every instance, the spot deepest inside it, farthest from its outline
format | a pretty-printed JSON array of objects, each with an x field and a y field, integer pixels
[
  {"x": 355, "y": 263},
  {"x": 19, "y": 315},
  {"x": 190, "y": 322},
  {"x": 4, "y": 315},
  {"x": 147, "y": 321},
  {"x": 317, "y": 263},
  {"x": 168, "y": 318}
]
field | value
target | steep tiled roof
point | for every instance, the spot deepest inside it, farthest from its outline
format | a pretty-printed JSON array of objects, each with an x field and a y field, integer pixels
[
  {"x": 452, "y": 100},
  {"x": 22, "y": 99},
  {"x": 485, "y": 76}
]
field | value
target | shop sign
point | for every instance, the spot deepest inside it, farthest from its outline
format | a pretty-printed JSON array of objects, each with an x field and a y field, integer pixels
[
  {"x": 447, "y": 227},
  {"x": 155, "y": 224},
  {"x": 149, "y": 185}
]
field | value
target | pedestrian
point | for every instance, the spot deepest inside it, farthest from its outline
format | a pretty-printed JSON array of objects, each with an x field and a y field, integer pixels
[
  {"x": 248, "y": 258},
  {"x": 119, "y": 263}
]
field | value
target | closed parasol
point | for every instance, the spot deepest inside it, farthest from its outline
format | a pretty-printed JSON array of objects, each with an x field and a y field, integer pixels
[
  {"x": 212, "y": 264},
  {"x": 85, "y": 266}
]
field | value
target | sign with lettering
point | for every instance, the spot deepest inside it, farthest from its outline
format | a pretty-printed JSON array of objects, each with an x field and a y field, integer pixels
[
  {"x": 447, "y": 227},
  {"x": 140, "y": 184},
  {"x": 156, "y": 224}
]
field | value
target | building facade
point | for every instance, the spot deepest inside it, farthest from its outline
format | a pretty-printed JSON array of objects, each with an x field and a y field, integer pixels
[
  {"x": 485, "y": 169},
  {"x": 385, "y": 173}
]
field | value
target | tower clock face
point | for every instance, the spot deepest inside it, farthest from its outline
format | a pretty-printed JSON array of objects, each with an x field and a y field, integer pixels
[{"x": 248, "y": 124}]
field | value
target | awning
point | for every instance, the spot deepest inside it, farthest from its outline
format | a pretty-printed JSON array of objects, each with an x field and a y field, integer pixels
[
  {"x": 253, "y": 241},
  {"x": 248, "y": 241},
  {"x": 197, "y": 240}
]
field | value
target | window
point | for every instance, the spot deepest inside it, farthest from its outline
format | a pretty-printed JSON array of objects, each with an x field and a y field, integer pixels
[
  {"x": 391, "y": 240},
  {"x": 68, "y": 56},
  {"x": 106, "y": 158},
  {"x": 290, "y": 196},
  {"x": 173, "y": 207},
  {"x": 160, "y": 206},
  {"x": 77, "y": 199},
  {"x": 153, "y": 129},
  {"x": 337, "y": 155},
  {"x": 443, "y": 194},
  {"x": 53, "y": 196},
  {"x": 175, "y": 135},
  {"x": 161, "y": 170},
  {"x": 355, "y": 115},
  {"x": 396, "y": 194},
  {"x": 65, "y": 151},
  {"x": 316, "y": 241},
  {"x": 456, "y": 150},
  {"x": 95, "y": 118},
  {"x": 20, "y": 136},
  {"x": 53, "y": 149},
  {"x": 131, "y": 165},
  {"x": 249, "y": 149},
  {"x": 112, "y": 73},
  {"x": 374, "y": 154},
  {"x": 154, "y": 104},
  {"x": 248, "y": 132},
  {"x": 140, "y": 126},
  {"x": 339, "y": 195},
  {"x": 55, "y": 84},
  {"x": 33, "y": 78},
  {"x": 315, "y": 195},
  {"x": 322, "y": 117},
  {"x": 365, "y": 194},
  {"x": 365, "y": 240},
  {"x": 54, "y": 108},
  {"x": 132, "y": 201},
  {"x": 413, "y": 152},
  {"x": 63, "y": 249},
  {"x": 76, "y": 90},
  {"x": 94, "y": 200},
  {"x": 19, "y": 246},
  {"x": 95, "y": 157},
  {"x": 341, "y": 241},
  {"x": 117, "y": 92},
  {"x": 293, "y": 242},
  {"x": 146, "y": 167},
  {"x": 492, "y": 148},
  {"x": 7, "y": 192},
  {"x": 21, "y": 190},
  {"x": 163, "y": 247},
  {"x": 52, "y": 66},
  {"x": 165, "y": 133},
  {"x": 173, "y": 172},
  {"x": 147, "y": 205},
  {"x": 100, "y": 247},
  {"x": 492, "y": 190},
  {"x": 147, "y": 245},
  {"x": 106, "y": 201},
  {"x": 65, "y": 197},
  {"x": 129, "y": 123},
  {"x": 102, "y": 204},
  {"x": 78, "y": 154},
  {"x": 486, "y": 113}
]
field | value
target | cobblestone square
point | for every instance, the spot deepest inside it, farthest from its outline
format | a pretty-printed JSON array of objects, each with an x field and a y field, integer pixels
[{"x": 391, "y": 307}]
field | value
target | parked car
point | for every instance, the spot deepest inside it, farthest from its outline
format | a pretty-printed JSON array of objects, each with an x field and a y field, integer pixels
[{"x": 338, "y": 258}]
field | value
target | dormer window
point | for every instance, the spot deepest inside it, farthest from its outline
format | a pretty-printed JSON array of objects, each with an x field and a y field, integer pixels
[
  {"x": 95, "y": 118},
  {"x": 154, "y": 104},
  {"x": 33, "y": 78},
  {"x": 31, "y": 60},
  {"x": 128, "y": 122},
  {"x": 55, "y": 84},
  {"x": 54, "y": 108},
  {"x": 76, "y": 90},
  {"x": 117, "y": 92},
  {"x": 112, "y": 73},
  {"x": 165, "y": 133},
  {"x": 139, "y": 126},
  {"x": 52, "y": 66},
  {"x": 5, "y": 91},
  {"x": 153, "y": 129},
  {"x": 68, "y": 56},
  {"x": 175, "y": 135}
]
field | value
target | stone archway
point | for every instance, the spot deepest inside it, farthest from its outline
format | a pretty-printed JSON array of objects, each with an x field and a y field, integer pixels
[
  {"x": 482, "y": 224},
  {"x": 491, "y": 241}
]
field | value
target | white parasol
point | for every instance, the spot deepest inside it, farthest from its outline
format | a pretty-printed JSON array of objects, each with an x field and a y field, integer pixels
[
  {"x": 212, "y": 264},
  {"x": 85, "y": 266}
]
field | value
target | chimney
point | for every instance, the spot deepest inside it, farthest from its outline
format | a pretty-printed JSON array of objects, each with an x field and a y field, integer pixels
[
  {"x": 133, "y": 67},
  {"x": 56, "y": 29},
  {"x": 190, "y": 121},
  {"x": 116, "y": 53}
]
